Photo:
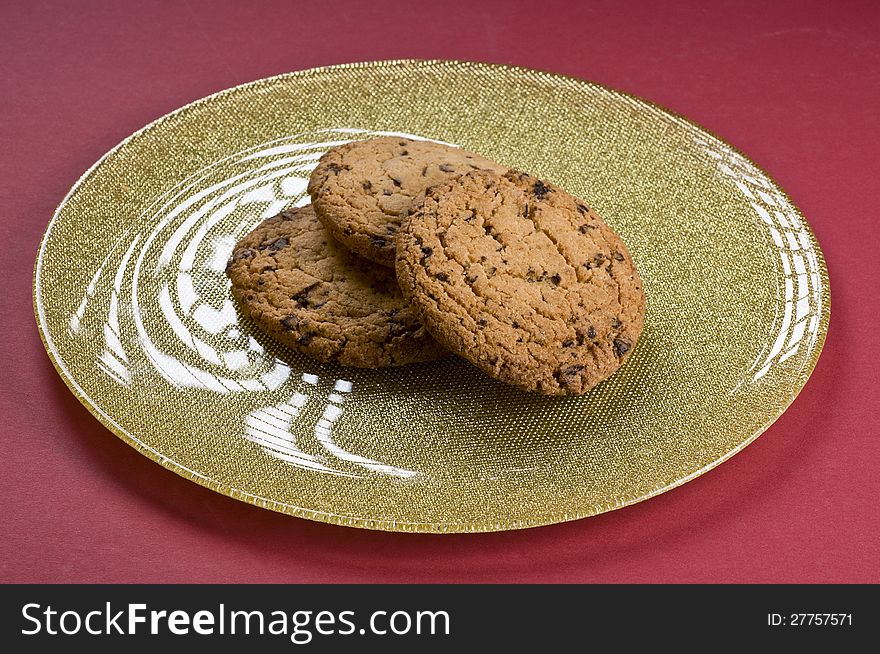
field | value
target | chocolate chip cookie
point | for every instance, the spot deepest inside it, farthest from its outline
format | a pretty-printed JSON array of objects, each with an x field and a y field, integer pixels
[
  {"x": 302, "y": 288},
  {"x": 523, "y": 280},
  {"x": 362, "y": 190}
]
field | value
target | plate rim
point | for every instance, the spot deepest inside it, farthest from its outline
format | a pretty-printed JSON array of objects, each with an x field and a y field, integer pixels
[{"x": 391, "y": 525}]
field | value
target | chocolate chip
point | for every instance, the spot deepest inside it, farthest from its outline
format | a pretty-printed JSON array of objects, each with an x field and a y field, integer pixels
[
  {"x": 615, "y": 323},
  {"x": 367, "y": 185},
  {"x": 471, "y": 279},
  {"x": 540, "y": 190},
  {"x": 621, "y": 346},
  {"x": 403, "y": 153},
  {"x": 583, "y": 209},
  {"x": 556, "y": 279},
  {"x": 279, "y": 244},
  {"x": 289, "y": 322},
  {"x": 447, "y": 168},
  {"x": 426, "y": 252},
  {"x": 306, "y": 338},
  {"x": 245, "y": 254},
  {"x": 569, "y": 374},
  {"x": 515, "y": 324},
  {"x": 568, "y": 343},
  {"x": 336, "y": 355},
  {"x": 583, "y": 229},
  {"x": 618, "y": 256},
  {"x": 301, "y": 296},
  {"x": 442, "y": 276},
  {"x": 532, "y": 276},
  {"x": 591, "y": 332},
  {"x": 395, "y": 181},
  {"x": 334, "y": 168},
  {"x": 377, "y": 241},
  {"x": 482, "y": 322}
]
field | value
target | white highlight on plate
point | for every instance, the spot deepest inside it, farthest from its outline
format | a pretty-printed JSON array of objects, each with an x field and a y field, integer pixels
[
  {"x": 324, "y": 435},
  {"x": 169, "y": 309},
  {"x": 272, "y": 427},
  {"x": 800, "y": 265}
]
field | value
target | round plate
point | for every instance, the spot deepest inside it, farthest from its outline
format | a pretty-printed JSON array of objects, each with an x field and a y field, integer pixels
[{"x": 136, "y": 313}]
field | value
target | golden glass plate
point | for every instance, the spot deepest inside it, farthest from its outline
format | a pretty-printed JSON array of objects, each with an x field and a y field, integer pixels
[{"x": 136, "y": 314}]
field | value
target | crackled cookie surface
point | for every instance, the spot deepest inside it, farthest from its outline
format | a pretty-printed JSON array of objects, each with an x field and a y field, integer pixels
[
  {"x": 523, "y": 280},
  {"x": 362, "y": 190},
  {"x": 313, "y": 295}
]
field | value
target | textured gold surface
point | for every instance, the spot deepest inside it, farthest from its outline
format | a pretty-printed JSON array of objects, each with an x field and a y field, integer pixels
[{"x": 136, "y": 315}]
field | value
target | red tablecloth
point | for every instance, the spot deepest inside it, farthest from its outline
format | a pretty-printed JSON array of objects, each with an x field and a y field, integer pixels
[{"x": 793, "y": 84}]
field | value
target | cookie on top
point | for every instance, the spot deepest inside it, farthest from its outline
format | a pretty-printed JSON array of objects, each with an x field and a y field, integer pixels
[{"x": 522, "y": 279}]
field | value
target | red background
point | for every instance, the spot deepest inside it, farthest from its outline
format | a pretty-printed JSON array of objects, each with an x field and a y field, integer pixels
[{"x": 793, "y": 84}]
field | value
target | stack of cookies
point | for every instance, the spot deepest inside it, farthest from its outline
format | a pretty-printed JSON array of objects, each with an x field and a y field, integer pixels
[{"x": 413, "y": 249}]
